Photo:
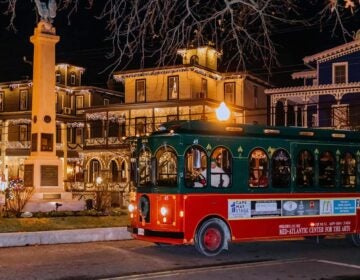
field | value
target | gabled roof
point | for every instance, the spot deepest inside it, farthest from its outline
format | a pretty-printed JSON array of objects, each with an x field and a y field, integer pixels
[{"x": 338, "y": 51}]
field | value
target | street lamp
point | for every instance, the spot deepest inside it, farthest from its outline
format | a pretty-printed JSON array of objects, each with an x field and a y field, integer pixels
[
  {"x": 222, "y": 112},
  {"x": 98, "y": 180}
]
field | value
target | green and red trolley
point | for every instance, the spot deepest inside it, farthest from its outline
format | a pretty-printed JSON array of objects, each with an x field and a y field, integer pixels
[{"x": 211, "y": 183}]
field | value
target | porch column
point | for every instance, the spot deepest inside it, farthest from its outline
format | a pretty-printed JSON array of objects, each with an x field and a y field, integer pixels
[
  {"x": 296, "y": 114},
  {"x": 63, "y": 127},
  {"x": 305, "y": 116},
  {"x": 4, "y": 142},
  {"x": 285, "y": 112}
]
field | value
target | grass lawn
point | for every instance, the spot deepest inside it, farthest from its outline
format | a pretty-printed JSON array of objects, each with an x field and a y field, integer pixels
[{"x": 58, "y": 223}]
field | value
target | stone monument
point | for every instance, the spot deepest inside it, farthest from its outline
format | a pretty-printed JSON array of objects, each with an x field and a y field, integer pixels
[{"x": 43, "y": 169}]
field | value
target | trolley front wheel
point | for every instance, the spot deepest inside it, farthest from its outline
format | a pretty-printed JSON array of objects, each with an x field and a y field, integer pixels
[{"x": 210, "y": 237}]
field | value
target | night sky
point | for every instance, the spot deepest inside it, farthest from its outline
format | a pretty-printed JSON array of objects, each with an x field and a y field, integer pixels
[{"x": 83, "y": 43}]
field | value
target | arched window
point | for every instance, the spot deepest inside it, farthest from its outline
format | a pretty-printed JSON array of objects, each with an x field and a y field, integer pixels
[
  {"x": 326, "y": 170},
  {"x": 258, "y": 169},
  {"x": 220, "y": 171},
  {"x": 348, "y": 170},
  {"x": 194, "y": 60},
  {"x": 114, "y": 171},
  {"x": 305, "y": 169},
  {"x": 144, "y": 167},
  {"x": 94, "y": 170},
  {"x": 195, "y": 167},
  {"x": 123, "y": 174},
  {"x": 166, "y": 167},
  {"x": 281, "y": 167}
]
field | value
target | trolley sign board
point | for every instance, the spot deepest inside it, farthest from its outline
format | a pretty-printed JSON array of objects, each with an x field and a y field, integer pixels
[{"x": 247, "y": 209}]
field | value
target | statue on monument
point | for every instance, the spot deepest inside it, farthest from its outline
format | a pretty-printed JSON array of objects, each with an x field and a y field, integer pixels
[{"x": 46, "y": 9}]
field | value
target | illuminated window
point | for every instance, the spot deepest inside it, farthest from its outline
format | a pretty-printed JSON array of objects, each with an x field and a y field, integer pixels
[
  {"x": 140, "y": 90},
  {"x": 220, "y": 168},
  {"x": 140, "y": 126},
  {"x": 348, "y": 170},
  {"x": 94, "y": 170},
  {"x": 24, "y": 95},
  {"x": 305, "y": 169},
  {"x": 229, "y": 92},
  {"x": 195, "y": 167},
  {"x": 173, "y": 87},
  {"x": 166, "y": 168},
  {"x": 340, "y": 72},
  {"x": 327, "y": 170},
  {"x": 23, "y": 129},
  {"x": 258, "y": 169},
  {"x": 79, "y": 102}
]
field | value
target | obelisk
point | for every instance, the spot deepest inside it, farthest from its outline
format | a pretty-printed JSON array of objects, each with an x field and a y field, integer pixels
[{"x": 43, "y": 169}]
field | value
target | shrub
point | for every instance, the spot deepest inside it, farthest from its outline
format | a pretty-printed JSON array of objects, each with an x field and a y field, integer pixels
[{"x": 17, "y": 195}]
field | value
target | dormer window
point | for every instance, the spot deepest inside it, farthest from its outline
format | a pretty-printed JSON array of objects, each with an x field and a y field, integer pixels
[
  {"x": 72, "y": 78},
  {"x": 194, "y": 60},
  {"x": 340, "y": 73}
]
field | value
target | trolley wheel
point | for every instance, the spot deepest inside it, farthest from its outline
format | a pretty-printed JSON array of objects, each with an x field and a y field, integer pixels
[
  {"x": 355, "y": 238},
  {"x": 210, "y": 238}
]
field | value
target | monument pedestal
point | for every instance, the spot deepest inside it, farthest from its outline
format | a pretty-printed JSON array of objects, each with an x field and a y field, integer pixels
[
  {"x": 45, "y": 175},
  {"x": 43, "y": 169}
]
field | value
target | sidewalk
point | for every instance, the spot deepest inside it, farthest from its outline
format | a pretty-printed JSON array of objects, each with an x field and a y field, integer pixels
[{"x": 14, "y": 239}]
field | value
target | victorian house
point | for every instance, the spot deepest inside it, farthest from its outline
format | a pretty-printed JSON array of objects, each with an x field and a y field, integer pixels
[
  {"x": 189, "y": 91},
  {"x": 71, "y": 99},
  {"x": 329, "y": 94}
]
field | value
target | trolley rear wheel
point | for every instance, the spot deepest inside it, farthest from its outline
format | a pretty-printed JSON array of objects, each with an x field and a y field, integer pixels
[
  {"x": 355, "y": 238},
  {"x": 210, "y": 238}
]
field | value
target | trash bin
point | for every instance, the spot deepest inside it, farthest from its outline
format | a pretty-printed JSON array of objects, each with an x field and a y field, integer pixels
[{"x": 89, "y": 204}]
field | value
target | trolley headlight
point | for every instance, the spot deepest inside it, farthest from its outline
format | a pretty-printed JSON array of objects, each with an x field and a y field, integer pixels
[
  {"x": 164, "y": 211},
  {"x": 131, "y": 208}
]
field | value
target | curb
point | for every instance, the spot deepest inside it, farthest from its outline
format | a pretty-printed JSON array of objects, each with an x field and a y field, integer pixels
[{"x": 15, "y": 239}]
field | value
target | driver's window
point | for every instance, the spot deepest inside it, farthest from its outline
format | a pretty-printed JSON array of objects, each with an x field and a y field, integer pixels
[
  {"x": 166, "y": 167},
  {"x": 195, "y": 167},
  {"x": 144, "y": 167}
]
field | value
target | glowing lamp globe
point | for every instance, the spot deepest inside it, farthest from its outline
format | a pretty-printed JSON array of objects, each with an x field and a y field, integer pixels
[{"x": 223, "y": 112}]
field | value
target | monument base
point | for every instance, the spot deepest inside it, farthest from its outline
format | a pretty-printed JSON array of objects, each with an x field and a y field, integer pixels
[{"x": 45, "y": 175}]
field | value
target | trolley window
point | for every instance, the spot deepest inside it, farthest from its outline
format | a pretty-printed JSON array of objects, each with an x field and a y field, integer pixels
[
  {"x": 305, "y": 169},
  {"x": 327, "y": 170},
  {"x": 348, "y": 170},
  {"x": 221, "y": 168},
  {"x": 258, "y": 169},
  {"x": 195, "y": 167},
  {"x": 166, "y": 167},
  {"x": 281, "y": 166}
]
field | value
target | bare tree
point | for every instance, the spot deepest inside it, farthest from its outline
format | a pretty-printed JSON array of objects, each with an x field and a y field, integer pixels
[{"x": 155, "y": 29}]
